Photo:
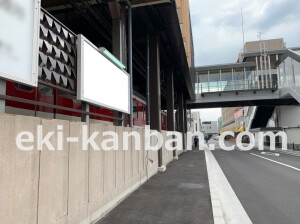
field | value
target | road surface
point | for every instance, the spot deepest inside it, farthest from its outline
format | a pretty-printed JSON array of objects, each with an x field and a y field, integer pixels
[{"x": 267, "y": 185}]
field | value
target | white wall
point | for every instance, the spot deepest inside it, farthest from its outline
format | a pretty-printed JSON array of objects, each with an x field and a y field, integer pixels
[
  {"x": 211, "y": 128},
  {"x": 289, "y": 116},
  {"x": 196, "y": 121}
]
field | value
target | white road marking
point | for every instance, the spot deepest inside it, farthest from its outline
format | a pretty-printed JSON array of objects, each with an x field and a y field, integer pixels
[
  {"x": 283, "y": 164},
  {"x": 289, "y": 153},
  {"x": 270, "y": 154},
  {"x": 226, "y": 205}
]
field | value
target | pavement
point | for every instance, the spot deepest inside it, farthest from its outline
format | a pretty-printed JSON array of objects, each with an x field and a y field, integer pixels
[
  {"x": 266, "y": 183},
  {"x": 179, "y": 195}
]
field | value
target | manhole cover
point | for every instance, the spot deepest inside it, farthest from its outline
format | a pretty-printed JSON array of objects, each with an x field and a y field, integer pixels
[{"x": 191, "y": 186}]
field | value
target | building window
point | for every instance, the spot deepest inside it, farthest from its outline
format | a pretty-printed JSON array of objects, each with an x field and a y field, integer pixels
[
  {"x": 23, "y": 87},
  {"x": 45, "y": 90}
]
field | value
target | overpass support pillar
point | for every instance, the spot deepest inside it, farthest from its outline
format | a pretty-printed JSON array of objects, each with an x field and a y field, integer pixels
[
  {"x": 170, "y": 102},
  {"x": 182, "y": 117},
  {"x": 118, "y": 13},
  {"x": 155, "y": 95}
]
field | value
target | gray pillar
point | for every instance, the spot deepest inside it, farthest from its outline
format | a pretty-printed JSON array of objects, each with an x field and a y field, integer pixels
[
  {"x": 181, "y": 116},
  {"x": 170, "y": 102},
  {"x": 2, "y": 92},
  {"x": 155, "y": 101},
  {"x": 119, "y": 51}
]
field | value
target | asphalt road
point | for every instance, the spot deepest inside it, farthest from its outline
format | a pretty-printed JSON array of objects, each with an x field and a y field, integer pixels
[{"x": 268, "y": 191}]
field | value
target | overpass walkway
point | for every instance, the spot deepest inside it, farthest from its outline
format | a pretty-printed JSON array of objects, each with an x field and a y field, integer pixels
[
  {"x": 259, "y": 80},
  {"x": 179, "y": 195}
]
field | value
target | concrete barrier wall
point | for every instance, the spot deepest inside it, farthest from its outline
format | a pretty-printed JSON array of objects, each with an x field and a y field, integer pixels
[
  {"x": 178, "y": 152},
  {"x": 72, "y": 185},
  {"x": 167, "y": 155}
]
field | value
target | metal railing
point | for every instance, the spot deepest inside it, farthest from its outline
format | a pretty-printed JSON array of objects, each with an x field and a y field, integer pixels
[{"x": 234, "y": 85}]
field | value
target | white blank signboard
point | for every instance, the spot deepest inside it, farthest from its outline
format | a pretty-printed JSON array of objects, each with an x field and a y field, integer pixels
[
  {"x": 19, "y": 38},
  {"x": 101, "y": 82}
]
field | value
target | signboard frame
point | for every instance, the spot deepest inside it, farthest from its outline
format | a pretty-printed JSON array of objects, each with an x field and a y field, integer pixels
[
  {"x": 34, "y": 54},
  {"x": 80, "y": 75}
]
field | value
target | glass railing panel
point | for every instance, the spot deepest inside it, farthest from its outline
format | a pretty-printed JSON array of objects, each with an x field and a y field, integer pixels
[
  {"x": 244, "y": 80},
  {"x": 288, "y": 72},
  {"x": 297, "y": 72},
  {"x": 281, "y": 75},
  {"x": 238, "y": 74}
]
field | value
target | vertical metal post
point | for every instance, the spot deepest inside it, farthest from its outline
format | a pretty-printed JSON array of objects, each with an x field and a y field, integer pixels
[
  {"x": 257, "y": 77},
  {"x": 197, "y": 85},
  {"x": 278, "y": 72},
  {"x": 181, "y": 117},
  {"x": 262, "y": 73},
  {"x": 148, "y": 80},
  {"x": 220, "y": 80},
  {"x": 266, "y": 66},
  {"x": 285, "y": 84},
  {"x": 2, "y": 92},
  {"x": 86, "y": 108},
  {"x": 208, "y": 79},
  {"x": 170, "y": 102},
  {"x": 130, "y": 60},
  {"x": 155, "y": 95},
  {"x": 118, "y": 44},
  {"x": 245, "y": 81},
  {"x": 270, "y": 75},
  {"x": 185, "y": 115},
  {"x": 232, "y": 77}
]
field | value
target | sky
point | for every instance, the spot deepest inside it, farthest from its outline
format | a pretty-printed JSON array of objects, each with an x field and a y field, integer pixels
[{"x": 217, "y": 29}]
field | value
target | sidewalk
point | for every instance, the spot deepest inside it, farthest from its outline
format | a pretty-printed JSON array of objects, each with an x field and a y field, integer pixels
[{"x": 179, "y": 195}]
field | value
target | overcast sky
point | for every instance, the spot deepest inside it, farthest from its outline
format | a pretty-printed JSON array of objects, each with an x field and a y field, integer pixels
[{"x": 217, "y": 29}]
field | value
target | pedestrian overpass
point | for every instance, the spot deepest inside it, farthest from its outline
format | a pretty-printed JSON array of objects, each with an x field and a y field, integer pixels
[{"x": 258, "y": 80}]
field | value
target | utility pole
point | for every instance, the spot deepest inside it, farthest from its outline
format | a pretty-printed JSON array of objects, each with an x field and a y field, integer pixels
[{"x": 243, "y": 31}]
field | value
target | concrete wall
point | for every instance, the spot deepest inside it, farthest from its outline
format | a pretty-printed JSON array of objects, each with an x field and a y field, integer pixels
[
  {"x": 72, "y": 185},
  {"x": 167, "y": 154}
]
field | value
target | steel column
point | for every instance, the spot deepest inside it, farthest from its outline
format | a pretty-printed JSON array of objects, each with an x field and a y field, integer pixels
[
  {"x": 181, "y": 117},
  {"x": 155, "y": 95},
  {"x": 185, "y": 115},
  {"x": 130, "y": 60},
  {"x": 170, "y": 102},
  {"x": 118, "y": 44},
  {"x": 148, "y": 80}
]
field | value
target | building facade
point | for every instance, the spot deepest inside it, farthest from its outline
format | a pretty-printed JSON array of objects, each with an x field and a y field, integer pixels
[
  {"x": 196, "y": 121},
  {"x": 210, "y": 127}
]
